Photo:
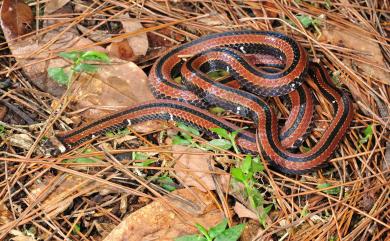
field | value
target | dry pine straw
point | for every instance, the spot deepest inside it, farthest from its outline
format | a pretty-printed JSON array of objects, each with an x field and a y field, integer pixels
[{"x": 361, "y": 208}]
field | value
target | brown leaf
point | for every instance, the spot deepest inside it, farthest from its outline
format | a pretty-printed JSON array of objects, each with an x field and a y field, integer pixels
[
  {"x": 113, "y": 87},
  {"x": 121, "y": 50},
  {"x": 138, "y": 43},
  {"x": 217, "y": 19},
  {"x": 5, "y": 215},
  {"x": 61, "y": 196},
  {"x": 367, "y": 49},
  {"x": 54, "y": 5},
  {"x": 158, "y": 221},
  {"x": 3, "y": 111},
  {"x": 244, "y": 212},
  {"x": 96, "y": 35},
  {"x": 16, "y": 18},
  {"x": 197, "y": 161}
]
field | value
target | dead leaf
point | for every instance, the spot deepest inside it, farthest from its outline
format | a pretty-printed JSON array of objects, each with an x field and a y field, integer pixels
[
  {"x": 96, "y": 35},
  {"x": 121, "y": 50},
  {"x": 113, "y": 87},
  {"x": 5, "y": 215},
  {"x": 20, "y": 236},
  {"x": 54, "y": 5},
  {"x": 16, "y": 18},
  {"x": 158, "y": 221},
  {"x": 61, "y": 196},
  {"x": 216, "y": 19},
  {"x": 3, "y": 111},
  {"x": 23, "y": 141},
  {"x": 197, "y": 161},
  {"x": 244, "y": 212},
  {"x": 149, "y": 126},
  {"x": 367, "y": 49},
  {"x": 252, "y": 230},
  {"x": 138, "y": 43},
  {"x": 158, "y": 41}
]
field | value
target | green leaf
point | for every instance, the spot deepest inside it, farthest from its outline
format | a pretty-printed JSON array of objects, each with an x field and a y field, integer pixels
[
  {"x": 76, "y": 229},
  {"x": 167, "y": 183},
  {"x": 193, "y": 237},
  {"x": 257, "y": 197},
  {"x": 368, "y": 131},
  {"x": 257, "y": 166},
  {"x": 95, "y": 56},
  {"x": 246, "y": 164},
  {"x": 202, "y": 229},
  {"x": 177, "y": 140},
  {"x": 73, "y": 55},
  {"x": 216, "y": 110},
  {"x": 177, "y": 79},
  {"x": 264, "y": 214},
  {"x": 328, "y": 4},
  {"x": 305, "y": 20},
  {"x": 221, "y": 132},
  {"x": 231, "y": 234},
  {"x": 237, "y": 174},
  {"x": 190, "y": 129},
  {"x": 304, "y": 211},
  {"x": 83, "y": 67},
  {"x": 59, "y": 75},
  {"x": 80, "y": 160},
  {"x": 217, "y": 74},
  {"x": 221, "y": 143},
  {"x": 145, "y": 163},
  {"x": 139, "y": 156},
  {"x": 2, "y": 129},
  {"x": 367, "y": 134},
  {"x": 217, "y": 229},
  {"x": 333, "y": 191}
]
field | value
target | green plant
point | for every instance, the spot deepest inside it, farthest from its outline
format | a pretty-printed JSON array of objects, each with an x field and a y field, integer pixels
[
  {"x": 367, "y": 135},
  {"x": 120, "y": 132},
  {"x": 308, "y": 21},
  {"x": 333, "y": 191},
  {"x": 83, "y": 160},
  {"x": 229, "y": 138},
  {"x": 245, "y": 175},
  {"x": 142, "y": 157},
  {"x": 166, "y": 182},
  {"x": 220, "y": 232},
  {"x": 80, "y": 63},
  {"x": 184, "y": 137},
  {"x": 2, "y": 130}
]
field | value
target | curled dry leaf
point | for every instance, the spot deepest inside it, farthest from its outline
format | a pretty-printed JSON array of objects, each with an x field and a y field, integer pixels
[
  {"x": 16, "y": 18},
  {"x": 197, "y": 173},
  {"x": 160, "y": 221}
]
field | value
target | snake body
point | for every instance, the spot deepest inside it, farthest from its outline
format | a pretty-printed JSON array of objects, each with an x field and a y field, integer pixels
[{"x": 265, "y": 64}]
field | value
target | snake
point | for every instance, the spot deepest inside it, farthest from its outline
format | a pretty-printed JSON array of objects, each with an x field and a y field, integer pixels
[{"x": 263, "y": 64}]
